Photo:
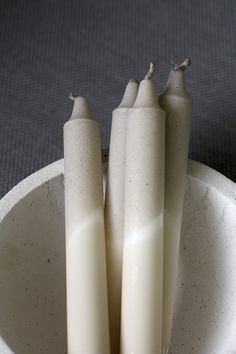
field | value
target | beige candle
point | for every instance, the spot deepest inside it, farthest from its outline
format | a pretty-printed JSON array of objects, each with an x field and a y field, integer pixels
[
  {"x": 141, "y": 314},
  {"x": 87, "y": 306},
  {"x": 114, "y": 210},
  {"x": 178, "y": 106}
]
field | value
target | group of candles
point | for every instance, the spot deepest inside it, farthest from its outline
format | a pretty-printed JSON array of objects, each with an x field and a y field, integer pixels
[{"x": 122, "y": 255}]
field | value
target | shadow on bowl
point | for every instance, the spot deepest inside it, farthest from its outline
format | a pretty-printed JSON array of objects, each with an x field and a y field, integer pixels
[{"x": 32, "y": 268}]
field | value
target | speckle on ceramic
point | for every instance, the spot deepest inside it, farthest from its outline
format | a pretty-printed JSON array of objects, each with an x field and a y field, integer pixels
[{"x": 32, "y": 266}]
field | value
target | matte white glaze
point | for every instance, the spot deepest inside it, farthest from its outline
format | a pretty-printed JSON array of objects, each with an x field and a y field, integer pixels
[
  {"x": 114, "y": 210},
  {"x": 87, "y": 304},
  {"x": 141, "y": 313},
  {"x": 178, "y": 106}
]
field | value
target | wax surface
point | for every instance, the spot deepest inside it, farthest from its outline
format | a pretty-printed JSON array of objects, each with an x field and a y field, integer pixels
[
  {"x": 87, "y": 304},
  {"x": 114, "y": 210},
  {"x": 177, "y": 104},
  {"x": 141, "y": 317}
]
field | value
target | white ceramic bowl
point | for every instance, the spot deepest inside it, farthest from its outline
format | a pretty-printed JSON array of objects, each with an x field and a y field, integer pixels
[{"x": 32, "y": 266}]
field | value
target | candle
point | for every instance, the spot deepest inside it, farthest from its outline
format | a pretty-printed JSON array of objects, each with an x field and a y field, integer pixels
[
  {"x": 141, "y": 313},
  {"x": 178, "y": 106},
  {"x": 114, "y": 211},
  {"x": 87, "y": 306}
]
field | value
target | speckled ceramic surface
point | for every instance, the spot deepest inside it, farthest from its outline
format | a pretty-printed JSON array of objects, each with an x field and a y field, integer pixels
[{"x": 32, "y": 266}]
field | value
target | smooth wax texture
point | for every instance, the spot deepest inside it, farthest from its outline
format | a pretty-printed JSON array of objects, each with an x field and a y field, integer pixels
[
  {"x": 178, "y": 106},
  {"x": 87, "y": 304},
  {"x": 141, "y": 316},
  {"x": 114, "y": 210}
]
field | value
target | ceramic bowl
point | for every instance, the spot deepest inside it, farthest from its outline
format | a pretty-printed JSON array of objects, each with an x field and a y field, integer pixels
[{"x": 32, "y": 266}]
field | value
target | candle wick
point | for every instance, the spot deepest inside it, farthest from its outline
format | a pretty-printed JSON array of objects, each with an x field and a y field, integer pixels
[
  {"x": 71, "y": 96},
  {"x": 151, "y": 70},
  {"x": 183, "y": 66},
  {"x": 173, "y": 63}
]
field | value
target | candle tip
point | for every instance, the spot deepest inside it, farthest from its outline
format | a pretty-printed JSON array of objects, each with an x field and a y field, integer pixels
[
  {"x": 150, "y": 72},
  {"x": 130, "y": 94},
  {"x": 183, "y": 66},
  {"x": 146, "y": 96},
  {"x": 71, "y": 96},
  {"x": 80, "y": 108},
  {"x": 133, "y": 81}
]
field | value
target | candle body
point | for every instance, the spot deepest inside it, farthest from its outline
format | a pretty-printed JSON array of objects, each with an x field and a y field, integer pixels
[
  {"x": 114, "y": 249},
  {"x": 141, "y": 315},
  {"x": 114, "y": 211},
  {"x": 87, "y": 307},
  {"x": 178, "y": 106}
]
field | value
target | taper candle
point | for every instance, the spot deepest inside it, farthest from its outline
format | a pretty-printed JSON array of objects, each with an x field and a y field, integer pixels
[
  {"x": 87, "y": 303},
  {"x": 141, "y": 314},
  {"x": 114, "y": 210},
  {"x": 178, "y": 106}
]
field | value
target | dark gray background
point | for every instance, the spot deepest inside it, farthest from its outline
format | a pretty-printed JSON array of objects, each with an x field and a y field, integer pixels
[{"x": 50, "y": 48}]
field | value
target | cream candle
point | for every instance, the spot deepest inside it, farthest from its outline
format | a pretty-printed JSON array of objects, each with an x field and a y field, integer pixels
[
  {"x": 114, "y": 210},
  {"x": 87, "y": 304},
  {"x": 178, "y": 106},
  {"x": 141, "y": 314}
]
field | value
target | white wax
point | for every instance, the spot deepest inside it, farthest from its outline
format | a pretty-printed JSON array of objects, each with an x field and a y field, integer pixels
[
  {"x": 178, "y": 106},
  {"x": 141, "y": 315},
  {"x": 87, "y": 305},
  {"x": 114, "y": 210}
]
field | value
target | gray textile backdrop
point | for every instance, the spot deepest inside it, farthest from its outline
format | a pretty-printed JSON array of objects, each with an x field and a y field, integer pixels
[{"x": 49, "y": 48}]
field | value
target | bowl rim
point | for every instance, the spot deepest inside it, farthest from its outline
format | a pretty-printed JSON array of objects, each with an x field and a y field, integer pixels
[{"x": 196, "y": 170}]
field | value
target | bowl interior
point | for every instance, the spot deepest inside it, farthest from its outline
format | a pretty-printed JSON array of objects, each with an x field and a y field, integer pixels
[{"x": 32, "y": 273}]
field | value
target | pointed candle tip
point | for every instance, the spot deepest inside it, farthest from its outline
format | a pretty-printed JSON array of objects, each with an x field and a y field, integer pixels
[
  {"x": 80, "y": 108},
  {"x": 150, "y": 72},
  {"x": 133, "y": 81},
  {"x": 130, "y": 94},
  {"x": 146, "y": 96}
]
